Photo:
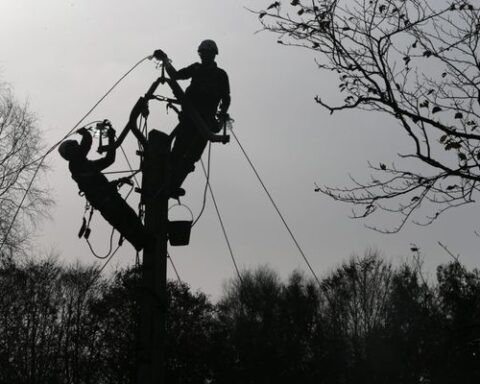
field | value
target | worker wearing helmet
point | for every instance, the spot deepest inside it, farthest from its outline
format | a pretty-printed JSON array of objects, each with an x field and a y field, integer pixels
[
  {"x": 209, "y": 94},
  {"x": 99, "y": 191},
  {"x": 209, "y": 90}
]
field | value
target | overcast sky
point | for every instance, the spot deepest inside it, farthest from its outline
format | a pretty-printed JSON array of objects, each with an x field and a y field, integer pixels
[{"x": 62, "y": 56}]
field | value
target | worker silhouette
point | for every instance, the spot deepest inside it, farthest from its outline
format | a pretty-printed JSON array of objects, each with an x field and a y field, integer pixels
[
  {"x": 99, "y": 191},
  {"x": 209, "y": 94}
]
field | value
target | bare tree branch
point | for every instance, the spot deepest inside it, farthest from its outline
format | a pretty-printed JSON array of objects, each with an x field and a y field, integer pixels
[
  {"x": 415, "y": 61},
  {"x": 20, "y": 143}
]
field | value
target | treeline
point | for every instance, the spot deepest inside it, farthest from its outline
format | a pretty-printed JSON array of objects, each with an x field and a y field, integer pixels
[{"x": 369, "y": 322}]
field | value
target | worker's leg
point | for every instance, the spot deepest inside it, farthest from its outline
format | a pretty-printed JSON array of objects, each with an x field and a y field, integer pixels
[
  {"x": 185, "y": 163},
  {"x": 124, "y": 219},
  {"x": 187, "y": 150}
]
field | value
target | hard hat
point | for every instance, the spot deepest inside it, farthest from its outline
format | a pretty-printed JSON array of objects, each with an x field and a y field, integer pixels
[
  {"x": 67, "y": 149},
  {"x": 208, "y": 45}
]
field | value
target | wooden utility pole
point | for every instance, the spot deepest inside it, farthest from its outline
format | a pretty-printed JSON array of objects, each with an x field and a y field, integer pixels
[
  {"x": 155, "y": 194},
  {"x": 153, "y": 304}
]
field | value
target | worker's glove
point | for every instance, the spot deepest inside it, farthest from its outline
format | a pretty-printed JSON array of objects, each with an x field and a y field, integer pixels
[
  {"x": 160, "y": 55},
  {"x": 111, "y": 133},
  {"x": 223, "y": 115},
  {"x": 223, "y": 118}
]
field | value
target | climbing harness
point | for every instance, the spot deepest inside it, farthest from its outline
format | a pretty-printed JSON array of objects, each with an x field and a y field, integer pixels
[{"x": 85, "y": 229}]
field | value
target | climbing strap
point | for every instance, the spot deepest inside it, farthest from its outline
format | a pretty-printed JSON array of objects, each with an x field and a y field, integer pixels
[{"x": 85, "y": 228}]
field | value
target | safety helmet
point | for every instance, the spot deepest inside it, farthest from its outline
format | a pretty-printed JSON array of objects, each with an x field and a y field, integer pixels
[
  {"x": 68, "y": 149},
  {"x": 208, "y": 45}
]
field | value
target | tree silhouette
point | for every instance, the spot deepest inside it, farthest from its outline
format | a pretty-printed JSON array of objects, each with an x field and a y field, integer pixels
[
  {"x": 273, "y": 331},
  {"x": 44, "y": 332},
  {"x": 415, "y": 61},
  {"x": 413, "y": 327},
  {"x": 20, "y": 144},
  {"x": 459, "y": 295},
  {"x": 356, "y": 301},
  {"x": 369, "y": 322}
]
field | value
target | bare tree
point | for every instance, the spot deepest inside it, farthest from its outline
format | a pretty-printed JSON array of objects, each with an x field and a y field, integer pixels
[
  {"x": 416, "y": 61},
  {"x": 20, "y": 145},
  {"x": 357, "y": 295}
]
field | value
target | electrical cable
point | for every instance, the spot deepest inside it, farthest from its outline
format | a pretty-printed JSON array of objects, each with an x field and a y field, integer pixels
[
  {"x": 99, "y": 272},
  {"x": 109, "y": 248},
  {"x": 42, "y": 158},
  {"x": 277, "y": 209},
  {"x": 174, "y": 268},
  {"x": 111, "y": 238},
  {"x": 113, "y": 229},
  {"x": 222, "y": 225},
  {"x": 107, "y": 261},
  {"x": 130, "y": 166},
  {"x": 204, "y": 202},
  {"x": 52, "y": 148}
]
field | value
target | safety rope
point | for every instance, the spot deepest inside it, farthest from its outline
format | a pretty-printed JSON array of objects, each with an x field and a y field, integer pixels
[
  {"x": 222, "y": 225},
  {"x": 130, "y": 167},
  {"x": 95, "y": 254},
  {"x": 174, "y": 268},
  {"x": 99, "y": 272},
  {"x": 120, "y": 241},
  {"x": 42, "y": 158},
  {"x": 277, "y": 209},
  {"x": 207, "y": 176}
]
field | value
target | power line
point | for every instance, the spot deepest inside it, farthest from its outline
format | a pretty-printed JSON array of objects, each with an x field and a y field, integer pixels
[
  {"x": 277, "y": 209},
  {"x": 130, "y": 166},
  {"x": 42, "y": 158},
  {"x": 207, "y": 174},
  {"x": 174, "y": 268},
  {"x": 102, "y": 268},
  {"x": 83, "y": 118},
  {"x": 221, "y": 223}
]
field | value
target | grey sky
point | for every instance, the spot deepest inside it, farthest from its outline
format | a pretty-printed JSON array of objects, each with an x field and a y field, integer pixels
[{"x": 63, "y": 55}]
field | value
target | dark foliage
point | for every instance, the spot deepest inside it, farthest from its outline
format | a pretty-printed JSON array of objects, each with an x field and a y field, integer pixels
[
  {"x": 369, "y": 322},
  {"x": 20, "y": 145}
]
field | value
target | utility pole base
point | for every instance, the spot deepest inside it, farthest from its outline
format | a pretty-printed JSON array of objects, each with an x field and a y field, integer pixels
[{"x": 153, "y": 305}]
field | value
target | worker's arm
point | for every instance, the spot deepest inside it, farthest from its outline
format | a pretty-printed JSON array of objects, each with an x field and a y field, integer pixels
[
  {"x": 184, "y": 73},
  {"x": 140, "y": 107},
  {"x": 181, "y": 74},
  {"x": 180, "y": 95},
  {"x": 225, "y": 99},
  {"x": 109, "y": 158},
  {"x": 86, "y": 142}
]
